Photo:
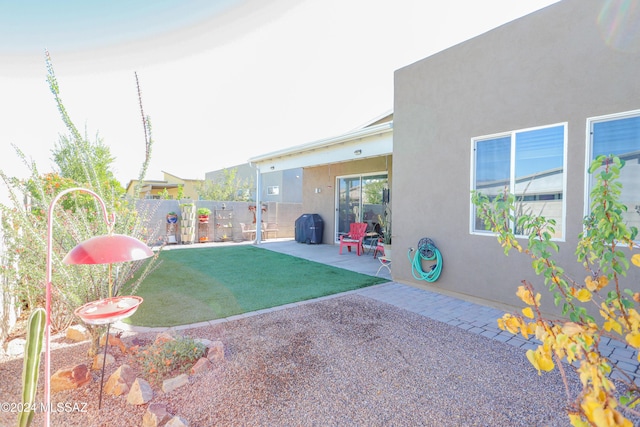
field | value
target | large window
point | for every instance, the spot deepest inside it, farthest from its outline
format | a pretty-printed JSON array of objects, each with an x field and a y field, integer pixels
[
  {"x": 619, "y": 135},
  {"x": 529, "y": 163}
]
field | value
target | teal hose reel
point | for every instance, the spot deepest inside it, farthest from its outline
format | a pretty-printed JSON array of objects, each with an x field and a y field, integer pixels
[{"x": 427, "y": 251}]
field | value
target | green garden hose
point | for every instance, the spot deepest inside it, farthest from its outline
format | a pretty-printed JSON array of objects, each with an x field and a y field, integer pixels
[{"x": 427, "y": 251}]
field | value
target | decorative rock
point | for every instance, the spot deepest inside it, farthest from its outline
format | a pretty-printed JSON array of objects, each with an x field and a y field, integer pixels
[
  {"x": 201, "y": 365},
  {"x": 164, "y": 337},
  {"x": 67, "y": 379},
  {"x": 140, "y": 392},
  {"x": 207, "y": 343},
  {"x": 175, "y": 382},
  {"x": 216, "y": 352},
  {"x": 114, "y": 341},
  {"x": 98, "y": 359},
  {"x": 16, "y": 346},
  {"x": 156, "y": 415},
  {"x": 120, "y": 381},
  {"x": 78, "y": 333},
  {"x": 177, "y": 422}
]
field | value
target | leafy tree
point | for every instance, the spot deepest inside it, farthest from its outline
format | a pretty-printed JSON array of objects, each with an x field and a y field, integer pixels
[
  {"x": 603, "y": 249},
  {"x": 74, "y": 156},
  {"x": 77, "y": 217},
  {"x": 373, "y": 191},
  {"x": 227, "y": 187}
]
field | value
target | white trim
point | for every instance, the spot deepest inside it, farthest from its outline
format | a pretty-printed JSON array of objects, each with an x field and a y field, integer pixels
[{"x": 373, "y": 141}]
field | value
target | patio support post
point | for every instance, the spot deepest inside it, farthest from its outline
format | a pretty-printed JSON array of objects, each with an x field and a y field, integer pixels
[{"x": 258, "y": 206}]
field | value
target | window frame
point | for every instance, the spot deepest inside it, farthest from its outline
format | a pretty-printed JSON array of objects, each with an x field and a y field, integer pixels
[
  {"x": 589, "y": 152},
  {"x": 336, "y": 195},
  {"x": 512, "y": 182}
]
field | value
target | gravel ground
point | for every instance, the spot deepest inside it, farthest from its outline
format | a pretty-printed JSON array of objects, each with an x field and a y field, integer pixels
[{"x": 346, "y": 361}]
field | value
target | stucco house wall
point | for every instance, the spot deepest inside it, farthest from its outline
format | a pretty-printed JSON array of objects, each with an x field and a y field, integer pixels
[
  {"x": 324, "y": 178},
  {"x": 553, "y": 66}
]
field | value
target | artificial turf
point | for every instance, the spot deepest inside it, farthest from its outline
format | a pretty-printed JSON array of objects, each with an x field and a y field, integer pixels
[{"x": 200, "y": 284}]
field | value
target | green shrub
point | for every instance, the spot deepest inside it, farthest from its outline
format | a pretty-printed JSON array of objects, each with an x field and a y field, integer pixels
[{"x": 166, "y": 356}]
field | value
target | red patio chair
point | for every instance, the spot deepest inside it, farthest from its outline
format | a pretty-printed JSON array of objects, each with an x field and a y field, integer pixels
[{"x": 355, "y": 237}]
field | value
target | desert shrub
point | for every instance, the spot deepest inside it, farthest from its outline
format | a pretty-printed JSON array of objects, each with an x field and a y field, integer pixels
[
  {"x": 168, "y": 356},
  {"x": 605, "y": 249}
]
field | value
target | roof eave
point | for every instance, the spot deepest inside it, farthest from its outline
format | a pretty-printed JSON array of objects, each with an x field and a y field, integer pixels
[{"x": 327, "y": 142}]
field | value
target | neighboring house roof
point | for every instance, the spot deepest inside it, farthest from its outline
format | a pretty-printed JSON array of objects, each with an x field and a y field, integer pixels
[
  {"x": 151, "y": 185},
  {"x": 387, "y": 116},
  {"x": 372, "y": 140},
  {"x": 169, "y": 182}
]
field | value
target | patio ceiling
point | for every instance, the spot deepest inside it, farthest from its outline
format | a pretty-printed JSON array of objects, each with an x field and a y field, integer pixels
[{"x": 372, "y": 141}]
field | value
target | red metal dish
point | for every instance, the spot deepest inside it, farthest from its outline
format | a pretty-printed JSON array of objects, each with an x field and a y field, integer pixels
[{"x": 108, "y": 310}]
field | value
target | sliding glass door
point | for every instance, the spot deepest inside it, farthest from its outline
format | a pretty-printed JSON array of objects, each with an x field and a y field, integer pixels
[{"x": 360, "y": 199}]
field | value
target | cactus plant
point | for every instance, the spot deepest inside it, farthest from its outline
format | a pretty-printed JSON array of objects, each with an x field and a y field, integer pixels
[{"x": 31, "y": 365}]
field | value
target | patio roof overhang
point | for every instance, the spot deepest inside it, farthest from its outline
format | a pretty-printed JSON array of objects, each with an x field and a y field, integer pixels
[{"x": 372, "y": 141}]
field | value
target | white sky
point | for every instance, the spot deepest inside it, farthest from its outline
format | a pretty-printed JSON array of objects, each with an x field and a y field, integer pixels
[{"x": 222, "y": 83}]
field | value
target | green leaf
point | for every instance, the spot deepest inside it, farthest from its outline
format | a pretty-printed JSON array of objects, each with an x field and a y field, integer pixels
[{"x": 557, "y": 298}]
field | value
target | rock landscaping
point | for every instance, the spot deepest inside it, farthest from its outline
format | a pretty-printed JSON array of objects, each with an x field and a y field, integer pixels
[
  {"x": 127, "y": 381},
  {"x": 342, "y": 361}
]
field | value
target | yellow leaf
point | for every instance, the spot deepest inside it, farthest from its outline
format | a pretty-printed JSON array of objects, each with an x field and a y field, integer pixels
[
  {"x": 633, "y": 339},
  {"x": 545, "y": 363},
  {"x": 583, "y": 295},
  {"x": 531, "y": 355},
  {"x": 541, "y": 361},
  {"x": 572, "y": 328},
  {"x": 635, "y": 259},
  {"x": 591, "y": 284},
  {"x": 528, "y": 312},
  {"x": 612, "y": 324},
  {"x": 525, "y": 295},
  {"x": 512, "y": 324},
  {"x": 576, "y": 421},
  {"x": 601, "y": 417},
  {"x": 602, "y": 282},
  {"x": 587, "y": 339}
]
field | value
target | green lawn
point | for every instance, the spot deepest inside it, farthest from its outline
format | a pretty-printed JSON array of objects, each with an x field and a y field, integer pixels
[{"x": 199, "y": 284}]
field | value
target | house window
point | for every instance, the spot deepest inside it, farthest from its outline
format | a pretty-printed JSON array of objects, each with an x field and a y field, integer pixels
[
  {"x": 273, "y": 190},
  {"x": 619, "y": 135},
  {"x": 530, "y": 164}
]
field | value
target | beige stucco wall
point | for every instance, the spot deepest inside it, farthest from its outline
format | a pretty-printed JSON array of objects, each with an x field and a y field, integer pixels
[
  {"x": 324, "y": 177},
  {"x": 550, "y": 67}
]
